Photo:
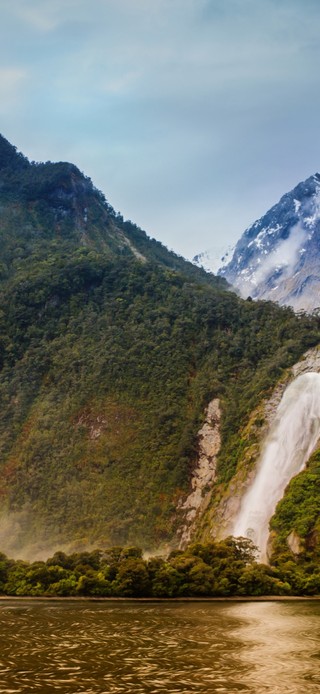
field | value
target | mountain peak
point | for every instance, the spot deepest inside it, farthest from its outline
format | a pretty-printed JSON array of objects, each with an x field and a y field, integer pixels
[
  {"x": 277, "y": 257},
  {"x": 10, "y": 157},
  {"x": 57, "y": 204}
]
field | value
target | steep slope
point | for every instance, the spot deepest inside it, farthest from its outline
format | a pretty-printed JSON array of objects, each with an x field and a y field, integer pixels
[
  {"x": 277, "y": 258},
  {"x": 111, "y": 349}
]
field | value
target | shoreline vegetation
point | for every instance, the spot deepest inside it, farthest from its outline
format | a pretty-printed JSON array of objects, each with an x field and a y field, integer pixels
[
  {"x": 90, "y": 598},
  {"x": 203, "y": 572}
]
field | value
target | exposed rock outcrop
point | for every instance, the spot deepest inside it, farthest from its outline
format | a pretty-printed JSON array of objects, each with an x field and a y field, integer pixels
[
  {"x": 294, "y": 543},
  {"x": 204, "y": 473}
]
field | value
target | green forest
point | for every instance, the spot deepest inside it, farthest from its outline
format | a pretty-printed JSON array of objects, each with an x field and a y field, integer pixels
[
  {"x": 111, "y": 348},
  {"x": 216, "y": 569}
]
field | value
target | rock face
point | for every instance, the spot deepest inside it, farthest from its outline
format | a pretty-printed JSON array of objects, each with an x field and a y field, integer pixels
[
  {"x": 204, "y": 473},
  {"x": 294, "y": 543},
  {"x": 277, "y": 258}
]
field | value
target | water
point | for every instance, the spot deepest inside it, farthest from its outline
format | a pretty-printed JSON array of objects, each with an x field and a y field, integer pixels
[
  {"x": 292, "y": 438},
  {"x": 151, "y": 648}
]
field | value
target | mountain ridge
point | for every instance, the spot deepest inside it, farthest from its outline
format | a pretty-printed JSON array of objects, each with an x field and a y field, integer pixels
[{"x": 62, "y": 202}]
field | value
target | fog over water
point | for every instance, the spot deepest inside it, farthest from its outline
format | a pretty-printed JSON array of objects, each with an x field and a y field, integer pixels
[{"x": 292, "y": 438}]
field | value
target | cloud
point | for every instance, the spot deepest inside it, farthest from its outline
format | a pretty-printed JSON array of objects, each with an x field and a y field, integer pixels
[
  {"x": 11, "y": 81},
  {"x": 44, "y": 15},
  {"x": 39, "y": 19},
  {"x": 284, "y": 256}
]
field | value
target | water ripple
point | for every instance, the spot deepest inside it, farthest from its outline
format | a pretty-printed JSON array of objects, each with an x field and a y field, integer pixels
[{"x": 193, "y": 648}]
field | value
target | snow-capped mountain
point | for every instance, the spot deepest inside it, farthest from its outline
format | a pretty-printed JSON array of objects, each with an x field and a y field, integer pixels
[
  {"x": 278, "y": 257},
  {"x": 214, "y": 259}
]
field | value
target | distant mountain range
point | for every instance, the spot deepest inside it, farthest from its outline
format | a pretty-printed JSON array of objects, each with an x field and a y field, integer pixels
[{"x": 278, "y": 257}]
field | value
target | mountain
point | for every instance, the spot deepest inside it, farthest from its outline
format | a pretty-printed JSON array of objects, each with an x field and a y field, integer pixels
[
  {"x": 54, "y": 203},
  {"x": 278, "y": 257},
  {"x": 117, "y": 359}
]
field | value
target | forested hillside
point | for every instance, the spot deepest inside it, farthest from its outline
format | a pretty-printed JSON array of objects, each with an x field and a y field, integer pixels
[{"x": 111, "y": 348}]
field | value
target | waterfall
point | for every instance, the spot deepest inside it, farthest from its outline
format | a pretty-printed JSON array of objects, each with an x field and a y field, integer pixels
[{"x": 292, "y": 438}]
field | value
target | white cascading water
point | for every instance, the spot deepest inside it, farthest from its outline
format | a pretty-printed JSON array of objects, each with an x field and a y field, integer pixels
[{"x": 288, "y": 446}]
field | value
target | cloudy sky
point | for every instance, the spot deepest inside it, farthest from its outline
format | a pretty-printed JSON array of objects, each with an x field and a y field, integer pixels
[{"x": 192, "y": 116}]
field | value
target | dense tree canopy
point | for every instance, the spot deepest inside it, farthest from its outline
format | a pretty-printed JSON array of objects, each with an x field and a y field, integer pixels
[{"x": 217, "y": 569}]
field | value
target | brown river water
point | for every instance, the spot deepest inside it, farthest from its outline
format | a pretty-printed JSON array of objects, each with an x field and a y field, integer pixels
[{"x": 152, "y": 648}]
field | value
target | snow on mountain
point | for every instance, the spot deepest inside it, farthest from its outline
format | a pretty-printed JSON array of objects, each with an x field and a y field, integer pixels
[
  {"x": 214, "y": 259},
  {"x": 278, "y": 257}
]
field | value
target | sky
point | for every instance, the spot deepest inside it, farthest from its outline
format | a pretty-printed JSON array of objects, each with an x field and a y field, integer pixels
[{"x": 192, "y": 116}]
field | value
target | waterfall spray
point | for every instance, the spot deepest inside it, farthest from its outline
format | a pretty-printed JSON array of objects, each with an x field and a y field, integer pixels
[{"x": 288, "y": 446}]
